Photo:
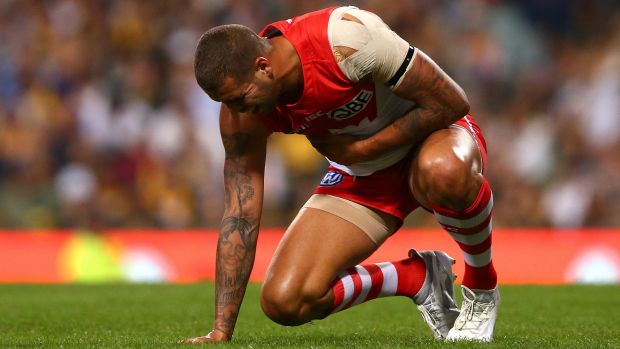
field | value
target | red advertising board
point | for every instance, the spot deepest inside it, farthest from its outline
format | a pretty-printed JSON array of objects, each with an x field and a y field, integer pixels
[{"x": 532, "y": 256}]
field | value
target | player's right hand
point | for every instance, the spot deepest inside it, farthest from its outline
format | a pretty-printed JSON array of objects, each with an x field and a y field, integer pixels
[
  {"x": 215, "y": 336},
  {"x": 343, "y": 149}
]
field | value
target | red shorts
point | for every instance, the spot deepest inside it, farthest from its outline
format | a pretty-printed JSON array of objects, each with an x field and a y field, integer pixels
[{"x": 388, "y": 190}]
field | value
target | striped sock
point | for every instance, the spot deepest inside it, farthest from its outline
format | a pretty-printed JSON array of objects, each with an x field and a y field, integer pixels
[
  {"x": 359, "y": 284},
  {"x": 471, "y": 229}
]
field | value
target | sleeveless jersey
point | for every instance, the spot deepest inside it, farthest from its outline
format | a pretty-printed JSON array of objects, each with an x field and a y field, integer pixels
[{"x": 330, "y": 102}]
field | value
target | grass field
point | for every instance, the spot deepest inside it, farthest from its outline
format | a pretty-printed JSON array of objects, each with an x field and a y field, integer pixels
[{"x": 146, "y": 316}]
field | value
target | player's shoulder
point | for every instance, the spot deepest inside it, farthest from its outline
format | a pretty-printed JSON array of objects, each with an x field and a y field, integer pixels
[
  {"x": 352, "y": 27},
  {"x": 309, "y": 20}
]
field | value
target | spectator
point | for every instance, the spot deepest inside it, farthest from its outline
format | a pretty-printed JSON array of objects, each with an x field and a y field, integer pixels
[{"x": 102, "y": 123}]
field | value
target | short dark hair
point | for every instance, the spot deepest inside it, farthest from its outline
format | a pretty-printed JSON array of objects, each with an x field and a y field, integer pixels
[{"x": 226, "y": 51}]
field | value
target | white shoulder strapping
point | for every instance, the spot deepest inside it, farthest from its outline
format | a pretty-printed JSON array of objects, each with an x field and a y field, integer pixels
[{"x": 380, "y": 51}]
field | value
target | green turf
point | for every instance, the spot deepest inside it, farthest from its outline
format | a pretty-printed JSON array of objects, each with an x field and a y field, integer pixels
[{"x": 145, "y": 316}]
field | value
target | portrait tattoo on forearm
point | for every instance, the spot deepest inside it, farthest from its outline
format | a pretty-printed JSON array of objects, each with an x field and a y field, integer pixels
[{"x": 238, "y": 234}]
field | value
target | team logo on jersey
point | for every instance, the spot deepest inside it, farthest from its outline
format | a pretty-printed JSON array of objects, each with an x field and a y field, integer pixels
[
  {"x": 352, "y": 108},
  {"x": 331, "y": 178}
]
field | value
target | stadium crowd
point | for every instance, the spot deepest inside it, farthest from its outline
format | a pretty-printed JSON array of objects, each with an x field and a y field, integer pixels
[{"x": 103, "y": 125}]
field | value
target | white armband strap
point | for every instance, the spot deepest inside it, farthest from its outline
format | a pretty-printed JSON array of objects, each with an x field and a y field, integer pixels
[{"x": 379, "y": 50}]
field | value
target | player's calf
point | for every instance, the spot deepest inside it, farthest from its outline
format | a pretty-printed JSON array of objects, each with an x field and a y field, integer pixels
[
  {"x": 447, "y": 178},
  {"x": 461, "y": 198}
]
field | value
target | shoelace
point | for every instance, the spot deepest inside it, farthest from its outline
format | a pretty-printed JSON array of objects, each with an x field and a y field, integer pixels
[
  {"x": 475, "y": 312},
  {"x": 432, "y": 315}
]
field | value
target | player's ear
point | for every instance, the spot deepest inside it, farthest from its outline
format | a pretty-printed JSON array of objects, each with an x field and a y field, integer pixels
[{"x": 263, "y": 65}]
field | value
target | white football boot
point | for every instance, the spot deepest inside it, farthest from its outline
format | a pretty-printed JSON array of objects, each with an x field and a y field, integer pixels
[
  {"x": 436, "y": 298},
  {"x": 478, "y": 314}
]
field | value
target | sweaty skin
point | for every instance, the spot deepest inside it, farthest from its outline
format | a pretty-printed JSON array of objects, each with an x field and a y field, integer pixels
[
  {"x": 279, "y": 79},
  {"x": 245, "y": 144},
  {"x": 440, "y": 102}
]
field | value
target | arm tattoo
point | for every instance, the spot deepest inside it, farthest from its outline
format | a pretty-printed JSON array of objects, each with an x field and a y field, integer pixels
[
  {"x": 440, "y": 101},
  {"x": 238, "y": 234},
  {"x": 235, "y": 257},
  {"x": 425, "y": 119},
  {"x": 237, "y": 145}
]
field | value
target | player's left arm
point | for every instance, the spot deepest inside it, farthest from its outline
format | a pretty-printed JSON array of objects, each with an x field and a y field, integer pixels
[
  {"x": 440, "y": 101},
  {"x": 367, "y": 47}
]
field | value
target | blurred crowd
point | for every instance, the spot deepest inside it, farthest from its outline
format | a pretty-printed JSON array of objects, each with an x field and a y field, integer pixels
[{"x": 102, "y": 123}]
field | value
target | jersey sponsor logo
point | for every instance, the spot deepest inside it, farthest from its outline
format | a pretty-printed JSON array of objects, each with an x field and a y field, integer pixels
[
  {"x": 352, "y": 108},
  {"x": 331, "y": 178},
  {"x": 344, "y": 112}
]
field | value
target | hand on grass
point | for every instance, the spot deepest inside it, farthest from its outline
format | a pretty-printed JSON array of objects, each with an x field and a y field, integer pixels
[{"x": 215, "y": 336}]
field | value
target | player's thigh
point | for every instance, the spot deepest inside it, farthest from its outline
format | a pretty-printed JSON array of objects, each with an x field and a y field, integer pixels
[
  {"x": 315, "y": 248},
  {"x": 445, "y": 158}
]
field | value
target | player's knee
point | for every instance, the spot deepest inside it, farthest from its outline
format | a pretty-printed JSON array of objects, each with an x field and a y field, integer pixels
[
  {"x": 446, "y": 179},
  {"x": 283, "y": 304}
]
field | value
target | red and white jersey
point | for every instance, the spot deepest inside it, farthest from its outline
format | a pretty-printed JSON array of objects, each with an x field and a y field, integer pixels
[{"x": 353, "y": 96}]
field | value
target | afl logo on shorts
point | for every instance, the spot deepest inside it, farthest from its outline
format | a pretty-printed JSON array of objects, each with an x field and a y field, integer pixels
[{"x": 331, "y": 178}]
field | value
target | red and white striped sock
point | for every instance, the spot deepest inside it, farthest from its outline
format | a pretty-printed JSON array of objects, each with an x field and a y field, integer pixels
[
  {"x": 359, "y": 284},
  {"x": 472, "y": 231}
]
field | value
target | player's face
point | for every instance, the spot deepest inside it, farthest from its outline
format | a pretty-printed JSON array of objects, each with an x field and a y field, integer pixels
[
  {"x": 265, "y": 94},
  {"x": 256, "y": 96}
]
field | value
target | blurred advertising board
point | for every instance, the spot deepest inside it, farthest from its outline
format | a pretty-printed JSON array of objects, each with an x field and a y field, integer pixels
[{"x": 521, "y": 256}]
